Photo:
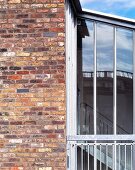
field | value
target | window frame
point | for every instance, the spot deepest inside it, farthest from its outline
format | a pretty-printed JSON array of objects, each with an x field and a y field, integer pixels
[{"x": 71, "y": 72}]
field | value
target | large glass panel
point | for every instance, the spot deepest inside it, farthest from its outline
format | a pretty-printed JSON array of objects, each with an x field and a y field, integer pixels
[
  {"x": 85, "y": 77},
  {"x": 104, "y": 79},
  {"x": 124, "y": 81}
]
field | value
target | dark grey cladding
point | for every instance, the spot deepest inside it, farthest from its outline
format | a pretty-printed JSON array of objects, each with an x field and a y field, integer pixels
[{"x": 76, "y": 5}]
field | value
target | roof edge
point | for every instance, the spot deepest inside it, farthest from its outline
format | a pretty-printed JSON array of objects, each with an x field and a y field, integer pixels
[
  {"x": 108, "y": 16},
  {"x": 76, "y": 5},
  {"x": 100, "y": 16}
]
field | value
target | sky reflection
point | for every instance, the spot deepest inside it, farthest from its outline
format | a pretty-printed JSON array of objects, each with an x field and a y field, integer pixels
[
  {"x": 105, "y": 49},
  {"x": 124, "y": 8}
]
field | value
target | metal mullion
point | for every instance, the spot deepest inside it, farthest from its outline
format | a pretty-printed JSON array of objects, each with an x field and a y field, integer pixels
[
  {"x": 114, "y": 99},
  {"x": 95, "y": 72},
  {"x": 114, "y": 87},
  {"x": 95, "y": 89},
  {"x": 74, "y": 92}
]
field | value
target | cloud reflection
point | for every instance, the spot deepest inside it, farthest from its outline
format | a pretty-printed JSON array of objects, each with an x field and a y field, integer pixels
[
  {"x": 123, "y": 8},
  {"x": 105, "y": 49}
]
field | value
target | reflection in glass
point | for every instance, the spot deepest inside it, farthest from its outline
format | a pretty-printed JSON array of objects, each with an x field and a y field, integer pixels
[
  {"x": 85, "y": 161},
  {"x": 85, "y": 77},
  {"x": 104, "y": 79},
  {"x": 122, "y": 151},
  {"x": 124, "y": 81}
]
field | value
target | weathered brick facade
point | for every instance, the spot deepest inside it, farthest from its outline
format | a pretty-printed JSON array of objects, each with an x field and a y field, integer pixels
[{"x": 32, "y": 85}]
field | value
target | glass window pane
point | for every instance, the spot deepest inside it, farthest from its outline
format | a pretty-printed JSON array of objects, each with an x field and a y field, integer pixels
[
  {"x": 105, "y": 57},
  {"x": 85, "y": 77},
  {"x": 124, "y": 81}
]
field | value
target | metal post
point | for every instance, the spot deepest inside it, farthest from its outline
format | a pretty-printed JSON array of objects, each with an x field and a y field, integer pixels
[{"x": 71, "y": 78}]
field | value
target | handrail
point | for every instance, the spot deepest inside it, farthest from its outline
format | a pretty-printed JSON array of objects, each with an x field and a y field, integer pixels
[{"x": 108, "y": 74}]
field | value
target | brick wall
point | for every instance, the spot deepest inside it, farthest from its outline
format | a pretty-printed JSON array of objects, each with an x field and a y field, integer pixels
[{"x": 32, "y": 85}]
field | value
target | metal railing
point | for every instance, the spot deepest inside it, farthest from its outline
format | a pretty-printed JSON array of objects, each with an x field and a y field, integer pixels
[
  {"x": 101, "y": 156},
  {"x": 108, "y": 74}
]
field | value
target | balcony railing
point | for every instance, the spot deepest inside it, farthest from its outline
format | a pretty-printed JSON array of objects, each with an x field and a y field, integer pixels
[
  {"x": 108, "y": 74},
  {"x": 101, "y": 156}
]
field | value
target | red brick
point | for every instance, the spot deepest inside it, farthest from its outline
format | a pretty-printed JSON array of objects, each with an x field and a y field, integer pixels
[
  {"x": 15, "y": 77},
  {"x": 32, "y": 116}
]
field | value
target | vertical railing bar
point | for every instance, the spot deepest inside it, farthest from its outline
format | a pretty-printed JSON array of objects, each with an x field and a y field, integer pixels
[
  {"x": 75, "y": 156},
  {"x": 125, "y": 157},
  {"x": 113, "y": 156},
  {"x": 119, "y": 157},
  {"x": 70, "y": 145},
  {"x": 82, "y": 157},
  {"x": 131, "y": 157},
  {"x": 106, "y": 157},
  {"x": 95, "y": 157},
  {"x": 100, "y": 158},
  {"x": 88, "y": 156}
]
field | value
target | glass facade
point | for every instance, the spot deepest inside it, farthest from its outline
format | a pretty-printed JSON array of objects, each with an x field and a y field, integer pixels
[
  {"x": 100, "y": 94},
  {"x": 85, "y": 77},
  {"x": 124, "y": 66},
  {"x": 104, "y": 79},
  {"x": 98, "y": 78}
]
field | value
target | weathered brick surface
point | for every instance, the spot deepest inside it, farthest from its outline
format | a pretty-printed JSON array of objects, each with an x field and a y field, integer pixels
[{"x": 32, "y": 85}]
